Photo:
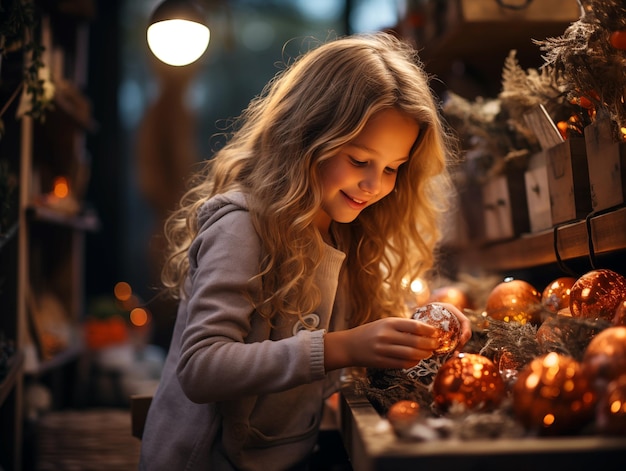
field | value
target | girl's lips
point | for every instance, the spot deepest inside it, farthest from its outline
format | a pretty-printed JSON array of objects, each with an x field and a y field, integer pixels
[{"x": 354, "y": 203}]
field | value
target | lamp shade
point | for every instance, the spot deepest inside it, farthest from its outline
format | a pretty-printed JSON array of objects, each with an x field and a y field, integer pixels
[{"x": 178, "y": 34}]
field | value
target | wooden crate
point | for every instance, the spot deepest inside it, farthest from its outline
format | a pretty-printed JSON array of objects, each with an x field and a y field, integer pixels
[
  {"x": 538, "y": 193},
  {"x": 505, "y": 206},
  {"x": 606, "y": 160},
  {"x": 568, "y": 181}
]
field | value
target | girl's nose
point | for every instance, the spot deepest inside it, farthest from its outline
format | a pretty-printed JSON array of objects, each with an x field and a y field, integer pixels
[{"x": 371, "y": 183}]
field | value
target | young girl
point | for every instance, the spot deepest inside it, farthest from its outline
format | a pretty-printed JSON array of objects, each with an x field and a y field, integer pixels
[{"x": 289, "y": 255}]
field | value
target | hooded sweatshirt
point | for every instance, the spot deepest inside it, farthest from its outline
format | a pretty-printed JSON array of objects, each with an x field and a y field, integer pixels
[{"x": 235, "y": 392}]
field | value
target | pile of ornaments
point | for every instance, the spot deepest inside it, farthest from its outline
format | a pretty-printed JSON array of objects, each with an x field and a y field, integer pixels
[{"x": 553, "y": 393}]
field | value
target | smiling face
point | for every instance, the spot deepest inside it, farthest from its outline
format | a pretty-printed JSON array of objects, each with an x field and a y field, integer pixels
[{"x": 364, "y": 171}]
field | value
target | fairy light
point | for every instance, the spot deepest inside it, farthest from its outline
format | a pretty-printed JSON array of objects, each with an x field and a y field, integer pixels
[{"x": 61, "y": 188}]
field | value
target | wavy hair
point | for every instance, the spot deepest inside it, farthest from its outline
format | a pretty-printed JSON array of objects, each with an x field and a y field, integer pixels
[{"x": 303, "y": 116}]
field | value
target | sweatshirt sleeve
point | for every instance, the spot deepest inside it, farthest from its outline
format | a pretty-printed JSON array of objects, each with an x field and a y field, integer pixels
[{"x": 224, "y": 348}]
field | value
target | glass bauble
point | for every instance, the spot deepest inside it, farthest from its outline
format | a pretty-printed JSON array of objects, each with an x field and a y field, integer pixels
[
  {"x": 553, "y": 395},
  {"x": 611, "y": 410},
  {"x": 514, "y": 301},
  {"x": 451, "y": 295},
  {"x": 468, "y": 379},
  {"x": 597, "y": 294},
  {"x": 605, "y": 356},
  {"x": 555, "y": 296},
  {"x": 447, "y": 324}
]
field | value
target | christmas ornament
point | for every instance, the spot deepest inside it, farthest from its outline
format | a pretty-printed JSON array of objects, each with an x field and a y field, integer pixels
[
  {"x": 514, "y": 301},
  {"x": 620, "y": 313},
  {"x": 403, "y": 414},
  {"x": 611, "y": 410},
  {"x": 555, "y": 296},
  {"x": 568, "y": 335},
  {"x": 553, "y": 395},
  {"x": 451, "y": 295},
  {"x": 605, "y": 356},
  {"x": 469, "y": 380},
  {"x": 447, "y": 324},
  {"x": 597, "y": 293}
]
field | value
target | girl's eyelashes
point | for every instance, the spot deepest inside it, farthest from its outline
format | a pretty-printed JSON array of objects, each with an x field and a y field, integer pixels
[
  {"x": 361, "y": 163},
  {"x": 357, "y": 163}
]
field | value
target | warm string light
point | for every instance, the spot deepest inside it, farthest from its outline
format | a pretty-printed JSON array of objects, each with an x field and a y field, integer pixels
[{"x": 60, "y": 187}]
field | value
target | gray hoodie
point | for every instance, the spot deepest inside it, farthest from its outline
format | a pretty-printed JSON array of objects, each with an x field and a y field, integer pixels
[{"x": 235, "y": 393}]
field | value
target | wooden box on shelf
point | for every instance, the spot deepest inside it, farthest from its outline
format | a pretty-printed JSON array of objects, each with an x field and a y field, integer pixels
[
  {"x": 504, "y": 206},
  {"x": 538, "y": 193},
  {"x": 606, "y": 161},
  {"x": 568, "y": 180}
]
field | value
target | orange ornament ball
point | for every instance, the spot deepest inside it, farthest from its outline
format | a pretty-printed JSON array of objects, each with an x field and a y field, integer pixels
[
  {"x": 611, "y": 409},
  {"x": 402, "y": 414},
  {"x": 605, "y": 356},
  {"x": 447, "y": 324},
  {"x": 553, "y": 395},
  {"x": 514, "y": 301},
  {"x": 597, "y": 294},
  {"x": 555, "y": 296},
  {"x": 470, "y": 380},
  {"x": 620, "y": 314},
  {"x": 451, "y": 295}
]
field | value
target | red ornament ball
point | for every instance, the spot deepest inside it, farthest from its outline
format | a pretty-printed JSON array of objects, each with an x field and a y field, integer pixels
[
  {"x": 605, "y": 356},
  {"x": 514, "y": 301},
  {"x": 611, "y": 410},
  {"x": 555, "y": 296},
  {"x": 447, "y": 324},
  {"x": 470, "y": 380},
  {"x": 553, "y": 395},
  {"x": 451, "y": 295},
  {"x": 597, "y": 294}
]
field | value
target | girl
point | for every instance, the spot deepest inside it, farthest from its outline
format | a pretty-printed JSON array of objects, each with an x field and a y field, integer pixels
[{"x": 289, "y": 253}]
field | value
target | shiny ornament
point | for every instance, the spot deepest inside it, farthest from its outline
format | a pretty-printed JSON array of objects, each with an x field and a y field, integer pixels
[
  {"x": 449, "y": 327},
  {"x": 611, "y": 409},
  {"x": 605, "y": 356},
  {"x": 468, "y": 379},
  {"x": 596, "y": 294},
  {"x": 451, "y": 295},
  {"x": 403, "y": 414},
  {"x": 549, "y": 333},
  {"x": 620, "y": 314},
  {"x": 555, "y": 296},
  {"x": 553, "y": 395},
  {"x": 514, "y": 301}
]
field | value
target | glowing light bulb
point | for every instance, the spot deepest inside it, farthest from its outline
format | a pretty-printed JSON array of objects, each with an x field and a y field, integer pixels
[{"x": 178, "y": 42}]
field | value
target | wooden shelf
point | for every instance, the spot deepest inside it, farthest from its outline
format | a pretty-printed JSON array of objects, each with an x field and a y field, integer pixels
[
  {"x": 372, "y": 445},
  {"x": 608, "y": 234},
  {"x": 87, "y": 220},
  {"x": 7, "y": 384},
  {"x": 68, "y": 355}
]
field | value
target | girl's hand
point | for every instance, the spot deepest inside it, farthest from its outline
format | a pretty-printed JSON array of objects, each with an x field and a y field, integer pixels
[{"x": 393, "y": 342}]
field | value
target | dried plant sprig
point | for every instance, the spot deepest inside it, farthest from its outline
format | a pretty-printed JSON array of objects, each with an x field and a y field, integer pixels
[{"x": 585, "y": 57}]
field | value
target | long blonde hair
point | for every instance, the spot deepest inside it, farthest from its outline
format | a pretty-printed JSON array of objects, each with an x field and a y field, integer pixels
[{"x": 303, "y": 116}]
